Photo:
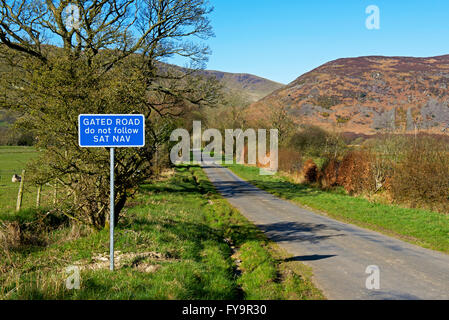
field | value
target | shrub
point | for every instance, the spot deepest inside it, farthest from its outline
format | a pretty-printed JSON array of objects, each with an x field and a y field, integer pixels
[
  {"x": 289, "y": 160},
  {"x": 412, "y": 170},
  {"x": 29, "y": 228},
  {"x": 328, "y": 176},
  {"x": 326, "y": 102},
  {"x": 359, "y": 171},
  {"x": 341, "y": 119},
  {"x": 13, "y": 137},
  {"x": 422, "y": 176},
  {"x": 310, "y": 171},
  {"x": 356, "y": 172},
  {"x": 315, "y": 142}
]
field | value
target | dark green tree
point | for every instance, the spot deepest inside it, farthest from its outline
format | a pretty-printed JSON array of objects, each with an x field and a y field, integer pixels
[{"x": 100, "y": 56}]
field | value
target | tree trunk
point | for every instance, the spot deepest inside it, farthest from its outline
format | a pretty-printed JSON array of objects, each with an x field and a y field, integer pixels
[{"x": 119, "y": 206}]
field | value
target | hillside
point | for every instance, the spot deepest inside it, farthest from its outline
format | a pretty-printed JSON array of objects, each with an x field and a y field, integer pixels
[
  {"x": 252, "y": 87},
  {"x": 368, "y": 95}
]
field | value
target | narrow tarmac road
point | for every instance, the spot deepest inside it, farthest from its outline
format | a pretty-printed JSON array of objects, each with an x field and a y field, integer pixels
[{"x": 338, "y": 253}]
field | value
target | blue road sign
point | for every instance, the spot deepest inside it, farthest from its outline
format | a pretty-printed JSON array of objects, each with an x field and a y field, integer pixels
[{"x": 111, "y": 130}]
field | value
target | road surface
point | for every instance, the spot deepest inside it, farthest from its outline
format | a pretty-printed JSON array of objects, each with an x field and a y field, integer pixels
[{"x": 338, "y": 253}]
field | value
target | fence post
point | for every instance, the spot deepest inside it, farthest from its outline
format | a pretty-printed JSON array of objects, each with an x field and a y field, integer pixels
[
  {"x": 20, "y": 194},
  {"x": 38, "y": 197},
  {"x": 55, "y": 193},
  {"x": 157, "y": 160}
]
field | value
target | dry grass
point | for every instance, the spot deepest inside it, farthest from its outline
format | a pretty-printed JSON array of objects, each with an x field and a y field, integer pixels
[
  {"x": 141, "y": 261},
  {"x": 9, "y": 235}
]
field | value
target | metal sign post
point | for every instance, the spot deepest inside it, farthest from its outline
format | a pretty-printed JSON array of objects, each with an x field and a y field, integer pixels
[
  {"x": 111, "y": 131},
  {"x": 111, "y": 216}
]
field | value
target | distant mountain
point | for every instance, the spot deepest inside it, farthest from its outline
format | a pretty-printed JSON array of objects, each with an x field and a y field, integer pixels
[
  {"x": 251, "y": 87},
  {"x": 368, "y": 95}
]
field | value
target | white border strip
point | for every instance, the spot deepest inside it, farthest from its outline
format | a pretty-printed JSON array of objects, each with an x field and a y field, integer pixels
[{"x": 110, "y": 146}]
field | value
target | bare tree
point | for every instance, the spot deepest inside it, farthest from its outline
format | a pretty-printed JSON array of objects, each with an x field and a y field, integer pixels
[{"x": 279, "y": 118}]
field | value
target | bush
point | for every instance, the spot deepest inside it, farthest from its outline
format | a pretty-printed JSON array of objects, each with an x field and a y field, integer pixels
[
  {"x": 421, "y": 178},
  {"x": 359, "y": 171},
  {"x": 328, "y": 176},
  {"x": 412, "y": 170},
  {"x": 356, "y": 172},
  {"x": 310, "y": 171},
  {"x": 289, "y": 160},
  {"x": 310, "y": 140},
  {"x": 13, "y": 137},
  {"x": 315, "y": 142},
  {"x": 326, "y": 101},
  {"x": 29, "y": 228}
]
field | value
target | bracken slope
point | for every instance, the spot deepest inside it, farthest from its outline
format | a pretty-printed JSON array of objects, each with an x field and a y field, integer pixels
[{"x": 368, "y": 95}]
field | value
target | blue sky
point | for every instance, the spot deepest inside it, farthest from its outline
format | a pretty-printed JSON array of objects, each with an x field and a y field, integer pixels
[{"x": 280, "y": 40}]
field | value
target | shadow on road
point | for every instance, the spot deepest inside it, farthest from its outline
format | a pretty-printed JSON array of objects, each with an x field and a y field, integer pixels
[
  {"x": 296, "y": 231},
  {"x": 313, "y": 257},
  {"x": 232, "y": 188}
]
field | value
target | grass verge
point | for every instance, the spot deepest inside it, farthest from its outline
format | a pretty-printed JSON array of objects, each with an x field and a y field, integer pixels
[
  {"x": 422, "y": 227},
  {"x": 13, "y": 160},
  {"x": 178, "y": 240}
]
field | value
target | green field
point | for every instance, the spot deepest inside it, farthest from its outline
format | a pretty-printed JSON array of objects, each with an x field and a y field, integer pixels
[
  {"x": 12, "y": 161},
  {"x": 185, "y": 242},
  {"x": 425, "y": 228},
  {"x": 15, "y": 158}
]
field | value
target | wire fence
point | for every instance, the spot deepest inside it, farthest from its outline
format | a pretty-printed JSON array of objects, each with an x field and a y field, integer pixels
[{"x": 18, "y": 193}]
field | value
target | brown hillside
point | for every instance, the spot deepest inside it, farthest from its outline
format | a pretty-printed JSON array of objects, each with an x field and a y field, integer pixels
[
  {"x": 249, "y": 86},
  {"x": 368, "y": 95}
]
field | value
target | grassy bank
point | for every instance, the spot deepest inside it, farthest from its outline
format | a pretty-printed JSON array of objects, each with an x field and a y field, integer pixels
[
  {"x": 425, "y": 228},
  {"x": 12, "y": 161},
  {"x": 179, "y": 240}
]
